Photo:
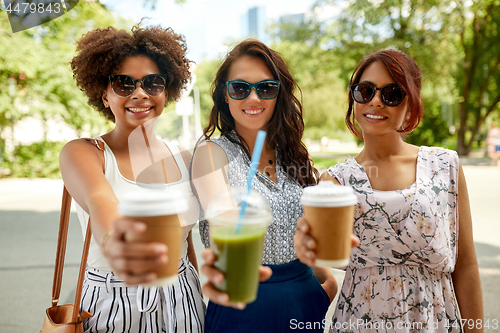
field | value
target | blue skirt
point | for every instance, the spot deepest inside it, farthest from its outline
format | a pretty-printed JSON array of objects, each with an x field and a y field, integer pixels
[{"x": 291, "y": 299}]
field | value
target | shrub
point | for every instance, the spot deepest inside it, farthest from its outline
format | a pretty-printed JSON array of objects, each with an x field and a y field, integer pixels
[{"x": 38, "y": 160}]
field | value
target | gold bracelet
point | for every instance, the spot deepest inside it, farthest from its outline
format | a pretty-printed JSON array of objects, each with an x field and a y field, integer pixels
[{"x": 104, "y": 239}]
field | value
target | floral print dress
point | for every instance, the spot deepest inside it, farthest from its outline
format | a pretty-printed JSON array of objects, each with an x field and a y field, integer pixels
[{"x": 399, "y": 278}]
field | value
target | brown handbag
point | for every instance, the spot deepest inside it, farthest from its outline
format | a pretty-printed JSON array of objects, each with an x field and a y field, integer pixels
[{"x": 66, "y": 318}]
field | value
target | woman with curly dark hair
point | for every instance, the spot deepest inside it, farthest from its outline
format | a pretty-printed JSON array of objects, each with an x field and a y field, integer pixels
[
  {"x": 253, "y": 90},
  {"x": 129, "y": 78}
]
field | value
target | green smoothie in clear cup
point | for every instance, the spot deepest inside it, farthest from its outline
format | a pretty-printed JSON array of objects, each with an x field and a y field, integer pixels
[{"x": 238, "y": 250}]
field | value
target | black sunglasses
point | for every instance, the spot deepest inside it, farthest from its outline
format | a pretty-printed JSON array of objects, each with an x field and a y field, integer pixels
[
  {"x": 152, "y": 84},
  {"x": 392, "y": 95},
  {"x": 267, "y": 89}
]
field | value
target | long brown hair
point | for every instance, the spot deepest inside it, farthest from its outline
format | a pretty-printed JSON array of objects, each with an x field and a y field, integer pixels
[
  {"x": 286, "y": 126},
  {"x": 405, "y": 73}
]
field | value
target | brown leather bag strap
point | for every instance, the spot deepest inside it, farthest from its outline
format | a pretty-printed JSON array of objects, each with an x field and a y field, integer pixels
[
  {"x": 61, "y": 252},
  {"x": 81, "y": 274},
  {"x": 62, "y": 239}
]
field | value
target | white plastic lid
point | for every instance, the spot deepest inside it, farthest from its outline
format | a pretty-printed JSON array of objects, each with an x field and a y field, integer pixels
[
  {"x": 154, "y": 202},
  {"x": 225, "y": 207},
  {"x": 328, "y": 194}
]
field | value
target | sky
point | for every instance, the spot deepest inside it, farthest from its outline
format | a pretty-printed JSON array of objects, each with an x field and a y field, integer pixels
[{"x": 208, "y": 25}]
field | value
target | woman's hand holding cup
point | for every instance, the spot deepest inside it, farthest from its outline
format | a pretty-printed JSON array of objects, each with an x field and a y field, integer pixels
[
  {"x": 326, "y": 239},
  {"x": 305, "y": 245},
  {"x": 134, "y": 262},
  {"x": 216, "y": 277}
]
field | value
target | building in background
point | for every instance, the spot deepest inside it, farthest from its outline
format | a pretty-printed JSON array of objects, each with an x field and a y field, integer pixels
[
  {"x": 254, "y": 24},
  {"x": 286, "y": 26}
]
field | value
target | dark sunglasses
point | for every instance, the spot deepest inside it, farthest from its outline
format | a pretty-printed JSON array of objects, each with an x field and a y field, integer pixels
[
  {"x": 267, "y": 89},
  {"x": 392, "y": 95},
  {"x": 152, "y": 84}
]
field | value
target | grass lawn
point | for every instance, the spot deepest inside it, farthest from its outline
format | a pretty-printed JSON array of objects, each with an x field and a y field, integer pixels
[{"x": 326, "y": 162}]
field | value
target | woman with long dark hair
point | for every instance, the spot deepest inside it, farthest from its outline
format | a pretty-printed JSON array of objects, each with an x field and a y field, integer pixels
[{"x": 253, "y": 90}]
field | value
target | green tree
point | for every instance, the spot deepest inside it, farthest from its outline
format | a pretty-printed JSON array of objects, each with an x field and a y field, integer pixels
[
  {"x": 36, "y": 79},
  {"x": 205, "y": 75},
  {"x": 478, "y": 72},
  {"x": 323, "y": 94}
]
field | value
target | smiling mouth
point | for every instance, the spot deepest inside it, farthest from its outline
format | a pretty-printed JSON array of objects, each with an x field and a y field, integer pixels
[
  {"x": 253, "y": 112},
  {"x": 139, "y": 110},
  {"x": 373, "y": 116}
]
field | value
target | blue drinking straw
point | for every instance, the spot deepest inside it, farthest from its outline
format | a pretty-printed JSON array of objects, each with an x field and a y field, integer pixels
[{"x": 254, "y": 163}]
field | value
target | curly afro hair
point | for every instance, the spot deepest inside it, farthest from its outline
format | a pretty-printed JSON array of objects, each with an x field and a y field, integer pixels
[{"x": 100, "y": 53}]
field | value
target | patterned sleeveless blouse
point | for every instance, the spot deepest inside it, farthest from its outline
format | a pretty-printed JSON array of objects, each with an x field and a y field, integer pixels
[
  {"x": 399, "y": 279},
  {"x": 284, "y": 199}
]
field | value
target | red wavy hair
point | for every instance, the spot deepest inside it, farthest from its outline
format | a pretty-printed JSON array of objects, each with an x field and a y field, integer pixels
[{"x": 405, "y": 73}]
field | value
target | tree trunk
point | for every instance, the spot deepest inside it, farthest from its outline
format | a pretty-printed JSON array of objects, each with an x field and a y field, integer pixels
[{"x": 463, "y": 149}]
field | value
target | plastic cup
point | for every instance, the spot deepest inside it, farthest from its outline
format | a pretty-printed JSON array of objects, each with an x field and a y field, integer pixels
[
  {"x": 329, "y": 210},
  {"x": 239, "y": 253},
  {"x": 162, "y": 212}
]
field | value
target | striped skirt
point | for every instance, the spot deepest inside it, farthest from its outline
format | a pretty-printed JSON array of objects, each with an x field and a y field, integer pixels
[{"x": 117, "y": 307}]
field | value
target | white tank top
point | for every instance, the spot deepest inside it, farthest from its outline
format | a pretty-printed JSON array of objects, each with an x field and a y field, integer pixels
[{"x": 122, "y": 185}]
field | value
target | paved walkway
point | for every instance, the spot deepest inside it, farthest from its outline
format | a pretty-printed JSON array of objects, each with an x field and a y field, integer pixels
[{"x": 29, "y": 217}]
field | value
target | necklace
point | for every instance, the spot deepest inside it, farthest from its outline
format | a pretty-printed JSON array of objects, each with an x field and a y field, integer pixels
[{"x": 267, "y": 174}]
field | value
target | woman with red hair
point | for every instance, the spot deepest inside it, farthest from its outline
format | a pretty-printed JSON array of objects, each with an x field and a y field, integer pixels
[{"x": 413, "y": 270}]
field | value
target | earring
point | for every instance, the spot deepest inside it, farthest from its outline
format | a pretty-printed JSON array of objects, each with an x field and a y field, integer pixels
[
  {"x": 404, "y": 130},
  {"x": 106, "y": 105}
]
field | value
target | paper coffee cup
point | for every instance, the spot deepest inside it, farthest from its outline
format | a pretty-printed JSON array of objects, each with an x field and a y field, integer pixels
[
  {"x": 161, "y": 211},
  {"x": 329, "y": 210}
]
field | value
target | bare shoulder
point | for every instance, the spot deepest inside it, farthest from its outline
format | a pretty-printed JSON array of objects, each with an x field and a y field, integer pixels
[
  {"x": 81, "y": 151},
  {"x": 210, "y": 151},
  {"x": 208, "y": 157},
  {"x": 411, "y": 151},
  {"x": 408, "y": 156},
  {"x": 81, "y": 147}
]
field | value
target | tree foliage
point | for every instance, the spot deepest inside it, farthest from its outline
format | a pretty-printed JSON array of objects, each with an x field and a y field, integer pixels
[
  {"x": 205, "y": 75},
  {"x": 323, "y": 95},
  {"x": 36, "y": 79},
  {"x": 478, "y": 72},
  {"x": 38, "y": 160},
  {"x": 455, "y": 42}
]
